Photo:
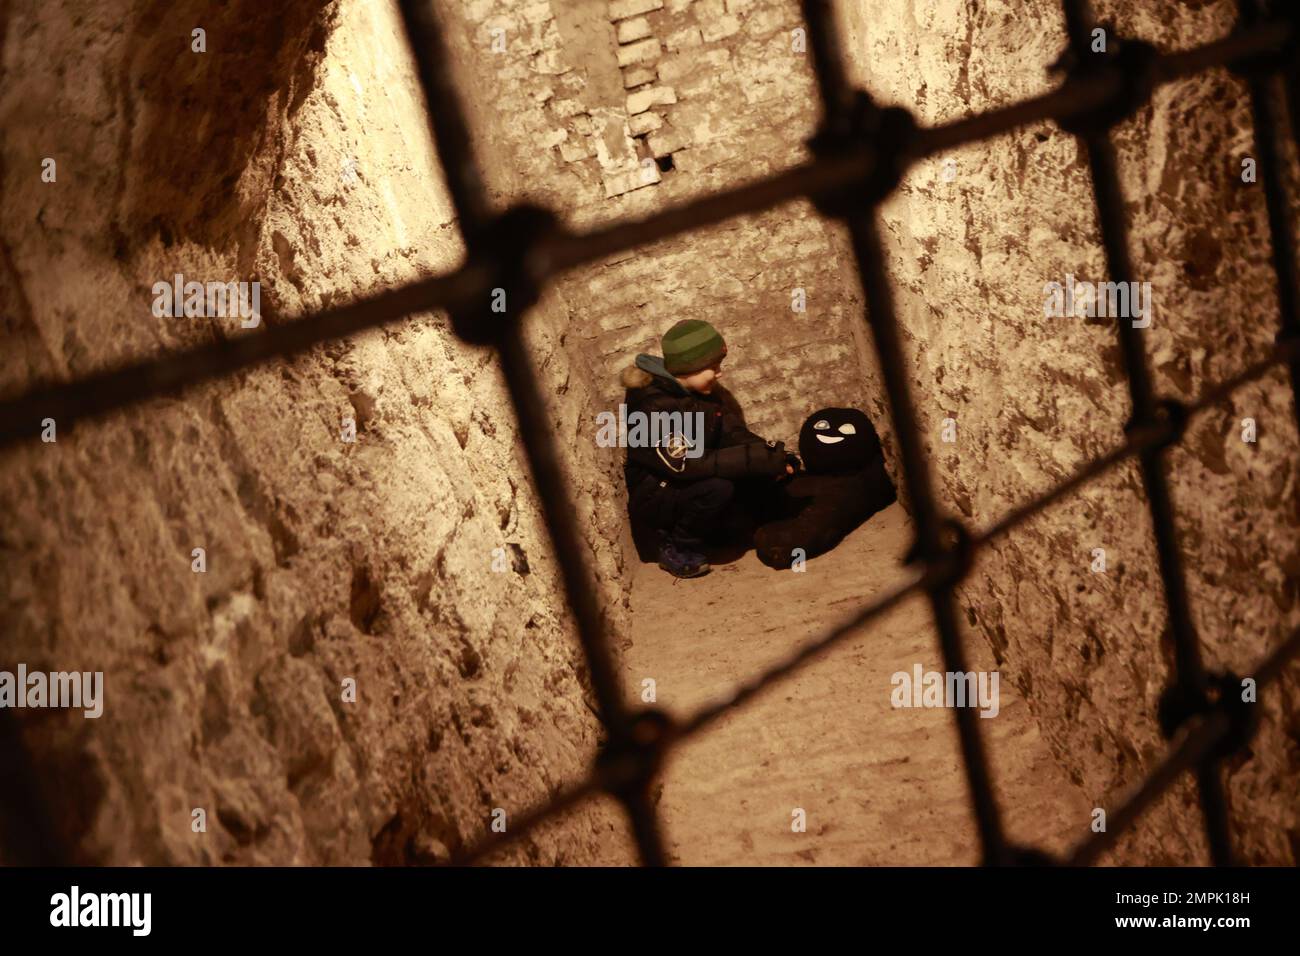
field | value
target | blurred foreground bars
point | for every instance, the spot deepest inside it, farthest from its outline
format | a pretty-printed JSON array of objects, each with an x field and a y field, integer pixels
[{"x": 860, "y": 153}]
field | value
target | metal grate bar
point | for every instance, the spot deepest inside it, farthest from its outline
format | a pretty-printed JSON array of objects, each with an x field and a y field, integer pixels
[
  {"x": 455, "y": 151},
  {"x": 1196, "y": 747},
  {"x": 859, "y": 213},
  {"x": 1281, "y": 235},
  {"x": 861, "y": 151},
  {"x": 1146, "y": 438},
  {"x": 102, "y": 392},
  {"x": 1190, "y": 672}
]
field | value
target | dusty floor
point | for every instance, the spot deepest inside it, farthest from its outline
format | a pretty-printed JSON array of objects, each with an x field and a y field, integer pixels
[{"x": 878, "y": 785}]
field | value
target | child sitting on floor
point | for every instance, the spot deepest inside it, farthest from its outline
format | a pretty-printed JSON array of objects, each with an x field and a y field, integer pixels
[{"x": 680, "y": 486}]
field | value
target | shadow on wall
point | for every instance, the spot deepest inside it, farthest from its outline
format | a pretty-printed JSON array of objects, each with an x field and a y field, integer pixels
[{"x": 203, "y": 119}]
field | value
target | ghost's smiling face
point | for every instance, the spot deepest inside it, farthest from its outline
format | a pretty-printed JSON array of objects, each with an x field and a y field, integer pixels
[
  {"x": 822, "y": 431},
  {"x": 837, "y": 440}
]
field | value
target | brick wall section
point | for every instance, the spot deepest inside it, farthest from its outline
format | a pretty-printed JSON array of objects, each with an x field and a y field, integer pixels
[{"x": 590, "y": 99}]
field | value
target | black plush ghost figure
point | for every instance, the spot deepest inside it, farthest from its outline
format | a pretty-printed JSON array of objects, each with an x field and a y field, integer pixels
[
  {"x": 845, "y": 484},
  {"x": 837, "y": 441}
]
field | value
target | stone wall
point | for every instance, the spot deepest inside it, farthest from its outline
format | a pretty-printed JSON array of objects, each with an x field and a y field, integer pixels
[
  {"x": 720, "y": 89},
  {"x": 1033, "y": 397},
  {"x": 294, "y": 151}
]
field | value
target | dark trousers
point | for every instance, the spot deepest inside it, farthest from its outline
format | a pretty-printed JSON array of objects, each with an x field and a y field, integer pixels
[{"x": 712, "y": 509}]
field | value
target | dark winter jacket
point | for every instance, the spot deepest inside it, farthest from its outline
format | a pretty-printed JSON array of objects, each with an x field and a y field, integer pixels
[{"x": 730, "y": 449}]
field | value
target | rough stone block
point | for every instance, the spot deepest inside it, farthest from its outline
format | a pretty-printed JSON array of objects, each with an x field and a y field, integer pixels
[
  {"x": 573, "y": 151},
  {"x": 698, "y": 159},
  {"x": 674, "y": 68},
  {"x": 699, "y": 123},
  {"x": 571, "y": 83},
  {"x": 719, "y": 29},
  {"x": 638, "y": 76},
  {"x": 763, "y": 22},
  {"x": 553, "y": 138},
  {"x": 629, "y": 31},
  {"x": 550, "y": 62},
  {"x": 567, "y": 107},
  {"x": 666, "y": 141},
  {"x": 614, "y": 147},
  {"x": 618, "y": 183},
  {"x": 623, "y": 9},
  {"x": 711, "y": 65},
  {"x": 681, "y": 39},
  {"x": 644, "y": 123},
  {"x": 718, "y": 59},
  {"x": 700, "y": 83},
  {"x": 707, "y": 11},
  {"x": 643, "y": 51},
  {"x": 536, "y": 12},
  {"x": 642, "y": 100}
]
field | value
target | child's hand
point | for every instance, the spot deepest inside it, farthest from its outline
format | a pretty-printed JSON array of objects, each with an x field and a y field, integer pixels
[{"x": 789, "y": 469}]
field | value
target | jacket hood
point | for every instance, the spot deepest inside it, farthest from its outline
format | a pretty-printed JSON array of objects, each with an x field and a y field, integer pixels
[{"x": 645, "y": 370}]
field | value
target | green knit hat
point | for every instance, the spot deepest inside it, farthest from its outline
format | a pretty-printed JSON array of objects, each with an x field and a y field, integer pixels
[{"x": 691, "y": 346}]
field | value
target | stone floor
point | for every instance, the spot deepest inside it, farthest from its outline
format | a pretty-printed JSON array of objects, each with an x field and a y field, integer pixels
[{"x": 878, "y": 785}]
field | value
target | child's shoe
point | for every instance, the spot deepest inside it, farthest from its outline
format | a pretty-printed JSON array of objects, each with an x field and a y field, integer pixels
[{"x": 682, "y": 562}]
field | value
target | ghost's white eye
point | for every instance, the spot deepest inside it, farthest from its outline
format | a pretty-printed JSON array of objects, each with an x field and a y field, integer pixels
[
  {"x": 821, "y": 424},
  {"x": 848, "y": 429}
]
